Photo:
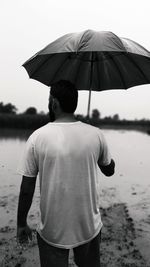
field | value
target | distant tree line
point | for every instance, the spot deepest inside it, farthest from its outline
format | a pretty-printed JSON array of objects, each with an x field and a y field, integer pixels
[
  {"x": 7, "y": 108},
  {"x": 11, "y": 109},
  {"x": 31, "y": 119}
]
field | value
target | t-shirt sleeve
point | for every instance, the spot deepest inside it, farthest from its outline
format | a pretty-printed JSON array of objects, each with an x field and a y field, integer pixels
[
  {"x": 28, "y": 166},
  {"x": 104, "y": 156}
]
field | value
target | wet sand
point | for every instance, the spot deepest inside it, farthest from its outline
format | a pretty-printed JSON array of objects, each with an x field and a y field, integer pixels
[{"x": 118, "y": 245}]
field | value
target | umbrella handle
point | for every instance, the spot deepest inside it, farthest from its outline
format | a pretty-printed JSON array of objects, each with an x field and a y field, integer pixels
[
  {"x": 89, "y": 104},
  {"x": 91, "y": 76}
]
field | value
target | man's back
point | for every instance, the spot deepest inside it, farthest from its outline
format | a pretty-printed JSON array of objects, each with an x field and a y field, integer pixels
[{"x": 66, "y": 155}]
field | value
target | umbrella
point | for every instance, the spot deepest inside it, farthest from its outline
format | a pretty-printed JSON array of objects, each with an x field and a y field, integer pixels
[{"x": 92, "y": 60}]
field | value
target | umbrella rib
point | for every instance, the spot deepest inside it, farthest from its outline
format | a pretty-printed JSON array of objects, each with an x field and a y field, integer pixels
[
  {"x": 80, "y": 41},
  {"x": 58, "y": 69},
  {"x": 137, "y": 66},
  {"x": 51, "y": 55},
  {"x": 118, "y": 69},
  {"x": 76, "y": 78},
  {"x": 97, "y": 56}
]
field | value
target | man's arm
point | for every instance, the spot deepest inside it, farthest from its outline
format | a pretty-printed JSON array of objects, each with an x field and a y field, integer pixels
[
  {"x": 108, "y": 170},
  {"x": 25, "y": 200}
]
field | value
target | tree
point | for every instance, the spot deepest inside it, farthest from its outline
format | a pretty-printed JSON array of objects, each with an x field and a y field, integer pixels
[
  {"x": 95, "y": 114},
  {"x": 31, "y": 111},
  {"x": 116, "y": 117},
  {"x": 7, "y": 108}
]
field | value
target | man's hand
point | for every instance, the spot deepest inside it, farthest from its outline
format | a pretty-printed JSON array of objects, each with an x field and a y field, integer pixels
[
  {"x": 108, "y": 170},
  {"x": 24, "y": 234}
]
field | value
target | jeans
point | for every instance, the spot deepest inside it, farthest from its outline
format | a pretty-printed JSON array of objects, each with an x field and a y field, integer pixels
[{"x": 87, "y": 255}]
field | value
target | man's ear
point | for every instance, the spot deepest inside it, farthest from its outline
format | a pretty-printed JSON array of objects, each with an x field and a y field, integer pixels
[{"x": 55, "y": 104}]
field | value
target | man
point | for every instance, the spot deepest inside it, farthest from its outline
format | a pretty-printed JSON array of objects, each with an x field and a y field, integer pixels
[{"x": 68, "y": 155}]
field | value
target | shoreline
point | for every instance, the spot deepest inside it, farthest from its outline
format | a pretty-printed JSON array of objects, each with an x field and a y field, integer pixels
[{"x": 24, "y": 132}]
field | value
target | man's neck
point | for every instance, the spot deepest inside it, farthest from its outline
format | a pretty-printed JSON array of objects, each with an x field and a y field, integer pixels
[{"x": 65, "y": 117}]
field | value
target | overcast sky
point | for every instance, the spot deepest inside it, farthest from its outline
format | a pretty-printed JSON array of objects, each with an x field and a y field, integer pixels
[{"x": 26, "y": 26}]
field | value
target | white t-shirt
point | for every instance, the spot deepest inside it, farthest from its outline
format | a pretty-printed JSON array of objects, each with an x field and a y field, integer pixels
[{"x": 65, "y": 155}]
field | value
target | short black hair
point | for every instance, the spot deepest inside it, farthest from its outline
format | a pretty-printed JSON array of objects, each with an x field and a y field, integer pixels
[{"x": 67, "y": 95}]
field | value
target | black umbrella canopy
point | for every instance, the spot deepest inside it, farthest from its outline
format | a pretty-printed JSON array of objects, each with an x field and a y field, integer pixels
[{"x": 92, "y": 60}]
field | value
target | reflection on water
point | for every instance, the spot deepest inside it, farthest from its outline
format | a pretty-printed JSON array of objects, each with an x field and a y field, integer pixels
[
  {"x": 14, "y": 134},
  {"x": 131, "y": 151},
  {"x": 11, "y": 148}
]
